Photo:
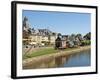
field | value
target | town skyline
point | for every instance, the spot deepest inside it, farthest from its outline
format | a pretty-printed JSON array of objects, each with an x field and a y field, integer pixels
[{"x": 57, "y": 22}]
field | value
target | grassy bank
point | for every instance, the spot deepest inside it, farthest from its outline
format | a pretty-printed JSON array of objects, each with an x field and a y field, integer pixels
[
  {"x": 32, "y": 58},
  {"x": 40, "y": 52},
  {"x": 44, "y": 51}
]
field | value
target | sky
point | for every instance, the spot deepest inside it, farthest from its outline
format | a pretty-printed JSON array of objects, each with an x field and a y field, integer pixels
[{"x": 65, "y": 23}]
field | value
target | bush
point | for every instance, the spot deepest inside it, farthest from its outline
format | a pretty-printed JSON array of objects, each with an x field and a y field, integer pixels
[{"x": 85, "y": 42}]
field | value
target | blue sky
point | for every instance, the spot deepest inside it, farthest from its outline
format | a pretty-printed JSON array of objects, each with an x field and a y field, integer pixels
[{"x": 60, "y": 22}]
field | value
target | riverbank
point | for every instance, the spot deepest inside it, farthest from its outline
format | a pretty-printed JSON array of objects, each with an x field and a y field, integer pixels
[{"x": 61, "y": 53}]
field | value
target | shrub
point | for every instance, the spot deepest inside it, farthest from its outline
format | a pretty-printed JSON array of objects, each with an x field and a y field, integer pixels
[{"x": 85, "y": 42}]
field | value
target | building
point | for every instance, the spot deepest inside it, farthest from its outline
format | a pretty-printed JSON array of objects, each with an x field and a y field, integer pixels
[
  {"x": 43, "y": 36},
  {"x": 53, "y": 37},
  {"x": 61, "y": 42},
  {"x": 38, "y": 36}
]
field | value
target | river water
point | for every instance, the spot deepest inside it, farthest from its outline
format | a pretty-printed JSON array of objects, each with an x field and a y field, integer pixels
[{"x": 79, "y": 59}]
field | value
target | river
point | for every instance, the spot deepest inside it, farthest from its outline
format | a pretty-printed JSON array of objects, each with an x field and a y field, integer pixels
[{"x": 79, "y": 59}]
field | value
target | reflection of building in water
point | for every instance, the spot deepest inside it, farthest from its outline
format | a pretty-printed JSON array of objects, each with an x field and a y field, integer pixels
[
  {"x": 59, "y": 61},
  {"x": 82, "y": 58},
  {"x": 48, "y": 63}
]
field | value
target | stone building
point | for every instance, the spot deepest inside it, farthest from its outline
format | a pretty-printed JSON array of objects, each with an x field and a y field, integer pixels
[
  {"x": 61, "y": 42},
  {"x": 38, "y": 36}
]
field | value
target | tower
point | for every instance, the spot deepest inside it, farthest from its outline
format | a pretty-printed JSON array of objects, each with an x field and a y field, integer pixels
[{"x": 25, "y": 24}]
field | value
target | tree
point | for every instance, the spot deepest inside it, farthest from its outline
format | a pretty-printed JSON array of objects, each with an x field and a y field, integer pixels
[
  {"x": 29, "y": 31},
  {"x": 59, "y": 35},
  {"x": 72, "y": 37},
  {"x": 79, "y": 36},
  {"x": 53, "y": 33},
  {"x": 88, "y": 36}
]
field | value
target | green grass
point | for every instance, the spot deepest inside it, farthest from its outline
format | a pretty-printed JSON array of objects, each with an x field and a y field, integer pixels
[
  {"x": 44, "y": 51},
  {"x": 40, "y": 52}
]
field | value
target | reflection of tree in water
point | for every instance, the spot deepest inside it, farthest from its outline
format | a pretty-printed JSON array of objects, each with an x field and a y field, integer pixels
[
  {"x": 59, "y": 61},
  {"x": 67, "y": 58},
  {"x": 48, "y": 63}
]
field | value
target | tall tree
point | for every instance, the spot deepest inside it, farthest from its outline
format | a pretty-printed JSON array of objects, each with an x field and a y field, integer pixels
[
  {"x": 72, "y": 37},
  {"x": 79, "y": 36},
  {"x": 88, "y": 36}
]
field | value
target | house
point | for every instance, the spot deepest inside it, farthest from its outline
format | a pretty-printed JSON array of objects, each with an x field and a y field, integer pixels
[
  {"x": 66, "y": 38},
  {"x": 45, "y": 36},
  {"x": 38, "y": 36},
  {"x": 60, "y": 42},
  {"x": 53, "y": 37}
]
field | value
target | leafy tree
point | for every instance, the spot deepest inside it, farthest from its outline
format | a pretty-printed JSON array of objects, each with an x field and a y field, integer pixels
[
  {"x": 72, "y": 37},
  {"x": 79, "y": 36},
  {"x": 29, "y": 31},
  {"x": 88, "y": 36},
  {"x": 59, "y": 34}
]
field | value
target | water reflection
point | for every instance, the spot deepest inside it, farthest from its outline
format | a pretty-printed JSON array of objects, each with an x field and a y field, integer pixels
[{"x": 77, "y": 59}]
